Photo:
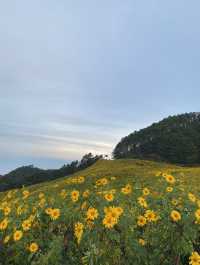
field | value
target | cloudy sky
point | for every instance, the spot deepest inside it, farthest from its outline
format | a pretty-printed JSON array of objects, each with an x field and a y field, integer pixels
[{"x": 76, "y": 76}]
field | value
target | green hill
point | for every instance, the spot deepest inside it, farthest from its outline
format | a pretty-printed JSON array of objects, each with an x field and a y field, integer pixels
[
  {"x": 175, "y": 139},
  {"x": 134, "y": 170},
  {"x": 142, "y": 212},
  {"x": 29, "y": 175}
]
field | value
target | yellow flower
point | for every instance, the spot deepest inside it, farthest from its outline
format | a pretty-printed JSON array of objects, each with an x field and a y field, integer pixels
[
  {"x": 112, "y": 212},
  {"x": 194, "y": 259},
  {"x": 197, "y": 214},
  {"x": 141, "y": 241},
  {"x": 127, "y": 189},
  {"x": 191, "y": 197},
  {"x": 119, "y": 210},
  {"x": 109, "y": 197},
  {"x": 142, "y": 202},
  {"x": 112, "y": 215},
  {"x": 146, "y": 191},
  {"x": 41, "y": 195},
  {"x": 102, "y": 182},
  {"x": 175, "y": 202},
  {"x": 78, "y": 231},
  {"x": 92, "y": 213},
  {"x": 19, "y": 210},
  {"x": 141, "y": 221},
  {"x": 26, "y": 225},
  {"x": 33, "y": 247},
  {"x": 17, "y": 235},
  {"x": 176, "y": 216},
  {"x": 4, "y": 224},
  {"x": 169, "y": 189},
  {"x": 75, "y": 195},
  {"x": 151, "y": 216},
  {"x": 55, "y": 213},
  {"x": 170, "y": 179},
  {"x": 80, "y": 179},
  {"x": 6, "y": 239},
  {"x": 42, "y": 202},
  {"x": 86, "y": 193},
  {"x": 109, "y": 221},
  {"x": 25, "y": 193},
  {"x": 48, "y": 211},
  {"x": 7, "y": 210}
]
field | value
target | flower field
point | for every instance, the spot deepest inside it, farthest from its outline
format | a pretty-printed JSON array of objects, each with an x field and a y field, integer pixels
[{"x": 124, "y": 212}]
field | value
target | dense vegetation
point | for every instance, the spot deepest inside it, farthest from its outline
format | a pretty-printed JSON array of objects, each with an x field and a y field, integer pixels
[
  {"x": 118, "y": 212},
  {"x": 175, "y": 139},
  {"x": 29, "y": 175}
]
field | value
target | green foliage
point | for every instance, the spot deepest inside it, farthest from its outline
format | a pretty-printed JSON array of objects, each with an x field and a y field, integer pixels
[
  {"x": 53, "y": 256},
  {"x": 175, "y": 139},
  {"x": 166, "y": 242}
]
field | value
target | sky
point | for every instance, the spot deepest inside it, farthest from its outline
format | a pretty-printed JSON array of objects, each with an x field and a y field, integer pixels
[{"x": 77, "y": 76}]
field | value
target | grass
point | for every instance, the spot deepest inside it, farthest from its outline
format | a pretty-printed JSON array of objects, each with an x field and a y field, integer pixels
[
  {"x": 133, "y": 170},
  {"x": 142, "y": 212}
]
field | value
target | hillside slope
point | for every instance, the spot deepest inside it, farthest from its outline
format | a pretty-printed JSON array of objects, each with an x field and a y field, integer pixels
[
  {"x": 175, "y": 139},
  {"x": 133, "y": 170},
  {"x": 125, "y": 207}
]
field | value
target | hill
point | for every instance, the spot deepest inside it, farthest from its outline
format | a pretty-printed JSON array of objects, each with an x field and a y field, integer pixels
[
  {"x": 175, "y": 139},
  {"x": 29, "y": 175},
  {"x": 143, "y": 212}
]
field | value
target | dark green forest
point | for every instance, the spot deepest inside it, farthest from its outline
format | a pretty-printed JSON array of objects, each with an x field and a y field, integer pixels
[
  {"x": 29, "y": 175},
  {"x": 175, "y": 139}
]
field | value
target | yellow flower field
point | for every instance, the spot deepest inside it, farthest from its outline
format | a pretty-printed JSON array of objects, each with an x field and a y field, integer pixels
[{"x": 113, "y": 213}]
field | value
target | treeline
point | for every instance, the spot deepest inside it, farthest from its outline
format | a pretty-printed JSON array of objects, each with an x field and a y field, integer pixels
[
  {"x": 29, "y": 175},
  {"x": 175, "y": 139}
]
